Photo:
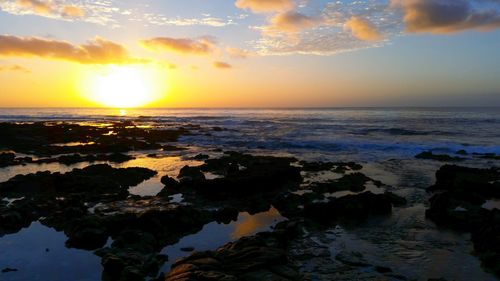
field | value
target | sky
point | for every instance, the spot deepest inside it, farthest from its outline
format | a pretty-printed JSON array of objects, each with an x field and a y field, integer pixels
[{"x": 249, "y": 53}]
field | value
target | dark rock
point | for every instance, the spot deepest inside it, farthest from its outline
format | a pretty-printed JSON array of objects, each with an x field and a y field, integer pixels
[
  {"x": 351, "y": 258},
  {"x": 457, "y": 210},
  {"x": 358, "y": 206},
  {"x": 457, "y": 203},
  {"x": 490, "y": 156},
  {"x": 87, "y": 238},
  {"x": 316, "y": 166},
  {"x": 438, "y": 157},
  {"x": 89, "y": 181},
  {"x": 201, "y": 157},
  {"x": 19, "y": 215},
  {"x": 339, "y": 167},
  {"x": 119, "y": 158},
  {"x": 7, "y": 270},
  {"x": 246, "y": 175},
  {"x": 382, "y": 269},
  {"x": 226, "y": 215},
  {"x": 187, "y": 249},
  {"x": 172, "y": 148},
  {"x": 354, "y": 182},
  {"x": 486, "y": 239},
  {"x": 191, "y": 174},
  {"x": 260, "y": 257},
  {"x": 169, "y": 182},
  {"x": 484, "y": 182},
  {"x": 44, "y": 138},
  {"x": 396, "y": 200},
  {"x": 7, "y": 159}
]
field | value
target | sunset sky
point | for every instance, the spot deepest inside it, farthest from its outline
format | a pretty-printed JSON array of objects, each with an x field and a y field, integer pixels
[{"x": 249, "y": 53}]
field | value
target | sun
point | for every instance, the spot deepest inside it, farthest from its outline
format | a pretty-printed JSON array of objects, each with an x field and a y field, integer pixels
[{"x": 125, "y": 86}]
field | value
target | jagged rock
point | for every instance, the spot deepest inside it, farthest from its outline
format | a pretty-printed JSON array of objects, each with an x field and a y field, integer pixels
[
  {"x": 259, "y": 257},
  {"x": 439, "y": 157},
  {"x": 358, "y": 206},
  {"x": 457, "y": 203}
]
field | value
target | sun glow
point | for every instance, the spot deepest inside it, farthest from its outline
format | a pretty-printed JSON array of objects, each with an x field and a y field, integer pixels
[{"x": 125, "y": 86}]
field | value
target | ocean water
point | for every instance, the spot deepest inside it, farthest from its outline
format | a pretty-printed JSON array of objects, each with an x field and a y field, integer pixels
[
  {"x": 383, "y": 140},
  {"x": 361, "y": 133}
]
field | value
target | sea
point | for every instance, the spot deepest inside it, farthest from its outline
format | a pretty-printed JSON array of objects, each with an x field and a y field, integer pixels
[
  {"x": 384, "y": 140},
  {"x": 357, "y": 133}
]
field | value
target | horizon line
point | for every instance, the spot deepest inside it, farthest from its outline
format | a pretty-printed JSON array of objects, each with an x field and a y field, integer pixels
[{"x": 262, "y": 107}]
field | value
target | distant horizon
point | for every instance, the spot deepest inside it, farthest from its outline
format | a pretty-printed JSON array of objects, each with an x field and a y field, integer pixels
[{"x": 270, "y": 108}]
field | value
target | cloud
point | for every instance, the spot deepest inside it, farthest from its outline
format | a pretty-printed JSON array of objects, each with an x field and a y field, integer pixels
[
  {"x": 238, "y": 53},
  {"x": 290, "y": 22},
  {"x": 222, "y": 65},
  {"x": 15, "y": 67},
  {"x": 325, "y": 32},
  {"x": 48, "y": 8},
  {"x": 265, "y": 6},
  {"x": 206, "y": 20},
  {"x": 98, "y": 12},
  {"x": 321, "y": 44},
  {"x": 73, "y": 11},
  {"x": 448, "y": 16},
  {"x": 363, "y": 29},
  {"x": 197, "y": 46},
  {"x": 35, "y": 5},
  {"x": 96, "y": 51}
]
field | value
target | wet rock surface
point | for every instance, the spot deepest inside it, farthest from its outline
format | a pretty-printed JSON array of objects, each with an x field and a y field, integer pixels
[
  {"x": 260, "y": 257},
  {"x": 249, "y": 182},
  {"x": 45, "y": 138},
  {"x": 439, "y": 157},
  {"x": 457, "y": 202},
  {"x": 95, "y": 210}
]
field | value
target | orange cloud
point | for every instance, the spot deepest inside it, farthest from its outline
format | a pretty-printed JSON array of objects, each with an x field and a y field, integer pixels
[
  {"x": 200, "y": 46},
  {"x": 97, "y": 51},
  {"x": 446, "y": 16},
  {"x": 291, "y": 22},
  {"x": 35, "y": 5},
  {"x": 73, "y": 11},
  {"x": 265, "y": 6},
  {"x": 48, "y": 8},
  {"x": 222, "y": 65},
  {"x": 363, "y": 29}
]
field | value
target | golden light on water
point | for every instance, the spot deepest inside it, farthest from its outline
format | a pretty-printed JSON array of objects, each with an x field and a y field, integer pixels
[{"x": 125, "y": 86}]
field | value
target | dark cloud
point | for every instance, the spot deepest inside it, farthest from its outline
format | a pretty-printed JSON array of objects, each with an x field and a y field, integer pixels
[
  {"x": 97, "y": 51},
  {"x": 447, "y": 16}
]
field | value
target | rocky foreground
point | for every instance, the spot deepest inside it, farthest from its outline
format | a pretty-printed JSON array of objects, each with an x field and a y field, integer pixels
[{"x": 92, "y": 205}]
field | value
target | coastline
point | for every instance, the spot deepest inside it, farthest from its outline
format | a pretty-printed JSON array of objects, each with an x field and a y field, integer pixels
[{"x": 233, "y": 180}]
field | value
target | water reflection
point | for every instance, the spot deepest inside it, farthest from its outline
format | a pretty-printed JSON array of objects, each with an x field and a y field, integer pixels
[
  {"x": 214, "y": 235},
  {"x": 39, "y": 253},
  {"x": 169, "y": 166},
  {"x": 250, "y": 224}
]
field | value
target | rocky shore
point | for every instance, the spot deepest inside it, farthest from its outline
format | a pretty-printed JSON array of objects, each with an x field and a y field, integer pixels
[{"x": 95, "y": 210}]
